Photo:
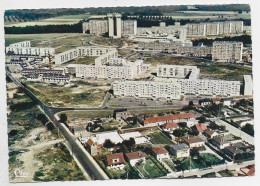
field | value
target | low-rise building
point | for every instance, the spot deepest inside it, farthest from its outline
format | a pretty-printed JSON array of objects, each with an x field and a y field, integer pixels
[
  {"x": 210, "y": 133},
  {"x": 121, "y": 114},
  {"x": 93, "y": 148},
  {"x": 200, "y": 127},
  {"x": 160, "y": 153},
  {"x": 115, "y": 161},
  {"x": 219, "y": 142},
  {"x": 170, "y": 126},
  {"x": 205, "y": 102},
  {"x": 135, "y": 157},
  {"x": 194, "y": 142},
  {"x": 231, "y": 151},
  {"x": 180, "y": 150}
]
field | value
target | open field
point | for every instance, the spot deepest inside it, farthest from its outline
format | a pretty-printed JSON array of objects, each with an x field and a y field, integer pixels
[
  {"x": 208, "y": 14},
  {"x": 77, "y": 96},
  {"x": 208, "y": 69},
  {"x": 59, "y": 20},
  {"x": 160, "y": 138},
  {"x": 62, "y": 42}
]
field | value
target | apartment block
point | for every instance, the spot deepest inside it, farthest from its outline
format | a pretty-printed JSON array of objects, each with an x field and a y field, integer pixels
[
  {"x": 24, "y": 48},
  {"x": 164, "y": 46},
  {"x": 227, "y": 51},
  {"x": 196, "y": 51},
  {"x": 147, "y": 89},
  {"x": 129, "y": 27},
  {"x": 248, "y": 85},
  {"x": 96, "y": 27},
  {"x": 215, "y": 28},
  {"x": 177, "y": 71}
]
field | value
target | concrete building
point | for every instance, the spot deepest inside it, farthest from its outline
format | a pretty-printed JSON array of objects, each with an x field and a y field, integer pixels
[
  {"x": 163, "y": 46},
  {"x": 147, "y": 89},
  {"x": 177, "y": 71},
  {"x": 215, "y": 28},
  {"x": 248, "y": 85},
  {"x": 180, "y": 150},
  {"x": 227, "y": 51},
  {"x": 95, "y": 26},
  {"x": 24, "y": 48},
  {"x": 195, "y": 51},
  {"x": 114, "y": 25},
  {"x": 129, "y": 27}
]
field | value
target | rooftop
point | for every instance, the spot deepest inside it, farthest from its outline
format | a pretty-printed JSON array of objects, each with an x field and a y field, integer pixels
[
  {"x": 181, "y": 146},
  {"x": 134, "y": 155},
  {"x": 193, "y": 140},
  {"x": 160, "y": 150},
  {"x": 111, "y": 157},
  {"x": 168, "y": 118}
]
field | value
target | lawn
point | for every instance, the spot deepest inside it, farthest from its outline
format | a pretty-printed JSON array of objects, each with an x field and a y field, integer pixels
[
  {"x": 170, "y": 164},
  {"x": 150, "y": 169},
  {"x": 160, "y": 138},
  {"x": 225, "y": 173}
]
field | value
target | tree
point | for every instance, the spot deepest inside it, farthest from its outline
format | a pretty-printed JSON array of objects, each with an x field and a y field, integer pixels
[
  {"x": 108, "y": 144},
  {"x": 249, "y": 129},
  {"x": 191, "y": 104},
  {"x": 63, "y": 118},
  {"x": 201, "y": 119}
]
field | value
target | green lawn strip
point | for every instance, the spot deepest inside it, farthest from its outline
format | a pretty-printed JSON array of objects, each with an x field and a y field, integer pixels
[
  {"x": 153, "y": 169},
  {"x": 160, "y": 138},
  {"x": 225, "y": 173}
]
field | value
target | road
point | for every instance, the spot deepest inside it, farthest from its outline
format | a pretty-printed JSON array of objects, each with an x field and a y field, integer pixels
[
  {"x": 235, "y": 131},
  {"x": 92, "y": 169}
]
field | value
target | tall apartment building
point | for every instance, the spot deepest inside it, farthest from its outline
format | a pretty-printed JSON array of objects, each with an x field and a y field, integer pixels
[
  {"x": 95, "y": 26},
  {"x": 99, "y": 27},
  {"x": 24, "y": 48},
  {"x": 177, "y": 71},
  {"x": 176, "y": 88},
  {"x": 115, "y": 68},
  {"x": 227, "y": 51},
  {"x": 248, "y": 85},
  {"x": 196, "y": 51},
  {"x": 215, "y": 28},
  {"x": 147, "y": 89},
  {"x": 164, "y": 46}
]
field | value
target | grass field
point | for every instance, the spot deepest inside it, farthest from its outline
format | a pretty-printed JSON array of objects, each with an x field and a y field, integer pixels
[
  {"x": 66, "y": 19},
  {"x": 160, "y": 138},
  {"x": 80, "y": 96},
  {"x": 209, "y": 69},
  {"x": 60, "y": 163}
]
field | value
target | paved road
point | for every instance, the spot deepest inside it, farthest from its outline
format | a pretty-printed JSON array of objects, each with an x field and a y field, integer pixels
[{"x": 235, "y": 131}]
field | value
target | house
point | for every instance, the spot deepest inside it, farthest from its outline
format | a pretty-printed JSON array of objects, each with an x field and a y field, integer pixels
[
  {"x": 232, "y": 151},
  {"x": 115, "y": 161},
  {"x": 135, "y": 157},
  {"x": 210, "y": 133},
  {"x": 205, "y": 102},
  {"x": 159, "y": 120},
  {"x": 194, "y": 142},
  {"x": 200, "y": 127},
  {"x": 216, "y": 100},
  {"x": 93, "y": 148},
  {"x": 180, "y": 150},
  {"x": 121, "y": 114},
  {"x": 170, "y": 126},
  {"x": 79, "y": 131},
  {"x": 160, "y": 153},
  {"x": 191, "y": 122},
  {"x": 227, "y": 101},
  {"x": 219, "y": 142}
]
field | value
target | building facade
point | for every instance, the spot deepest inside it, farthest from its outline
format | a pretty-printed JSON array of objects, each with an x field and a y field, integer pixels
[{"x": 227, "y": 51}]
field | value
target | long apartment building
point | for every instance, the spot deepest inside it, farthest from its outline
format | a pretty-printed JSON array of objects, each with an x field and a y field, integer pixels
[
  {"x": 84, "y": 51},
  {"x": 99, "y": 27},
  {"x": 177, "y": 71},
  {"x": 147, "y": 89},
  {"x": 196, "y": 51},
  {"x": 114, "y": 68},
  {"x": 215, "y": 28},
  {"x": 163, "y": 46},
  {"x": 24, "y": 48},
  {"x": 227, "y": 51},
  {"x": 176, "y": 86}
]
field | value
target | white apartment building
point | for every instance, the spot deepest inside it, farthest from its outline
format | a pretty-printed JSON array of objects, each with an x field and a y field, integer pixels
[
  {"x": 227, "y": 51},
  {"x": 115, "y": 68},
  {"x": 147, "y": 89},
  {"x": 24, "y": 48},
  {"x": 177, "y": 71},
  {"x": 129, "y": 27},
  {"x": 248, "y": 85},
  {"x": 215, "y": 28},
  {"x": 84, "y": 51}
]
